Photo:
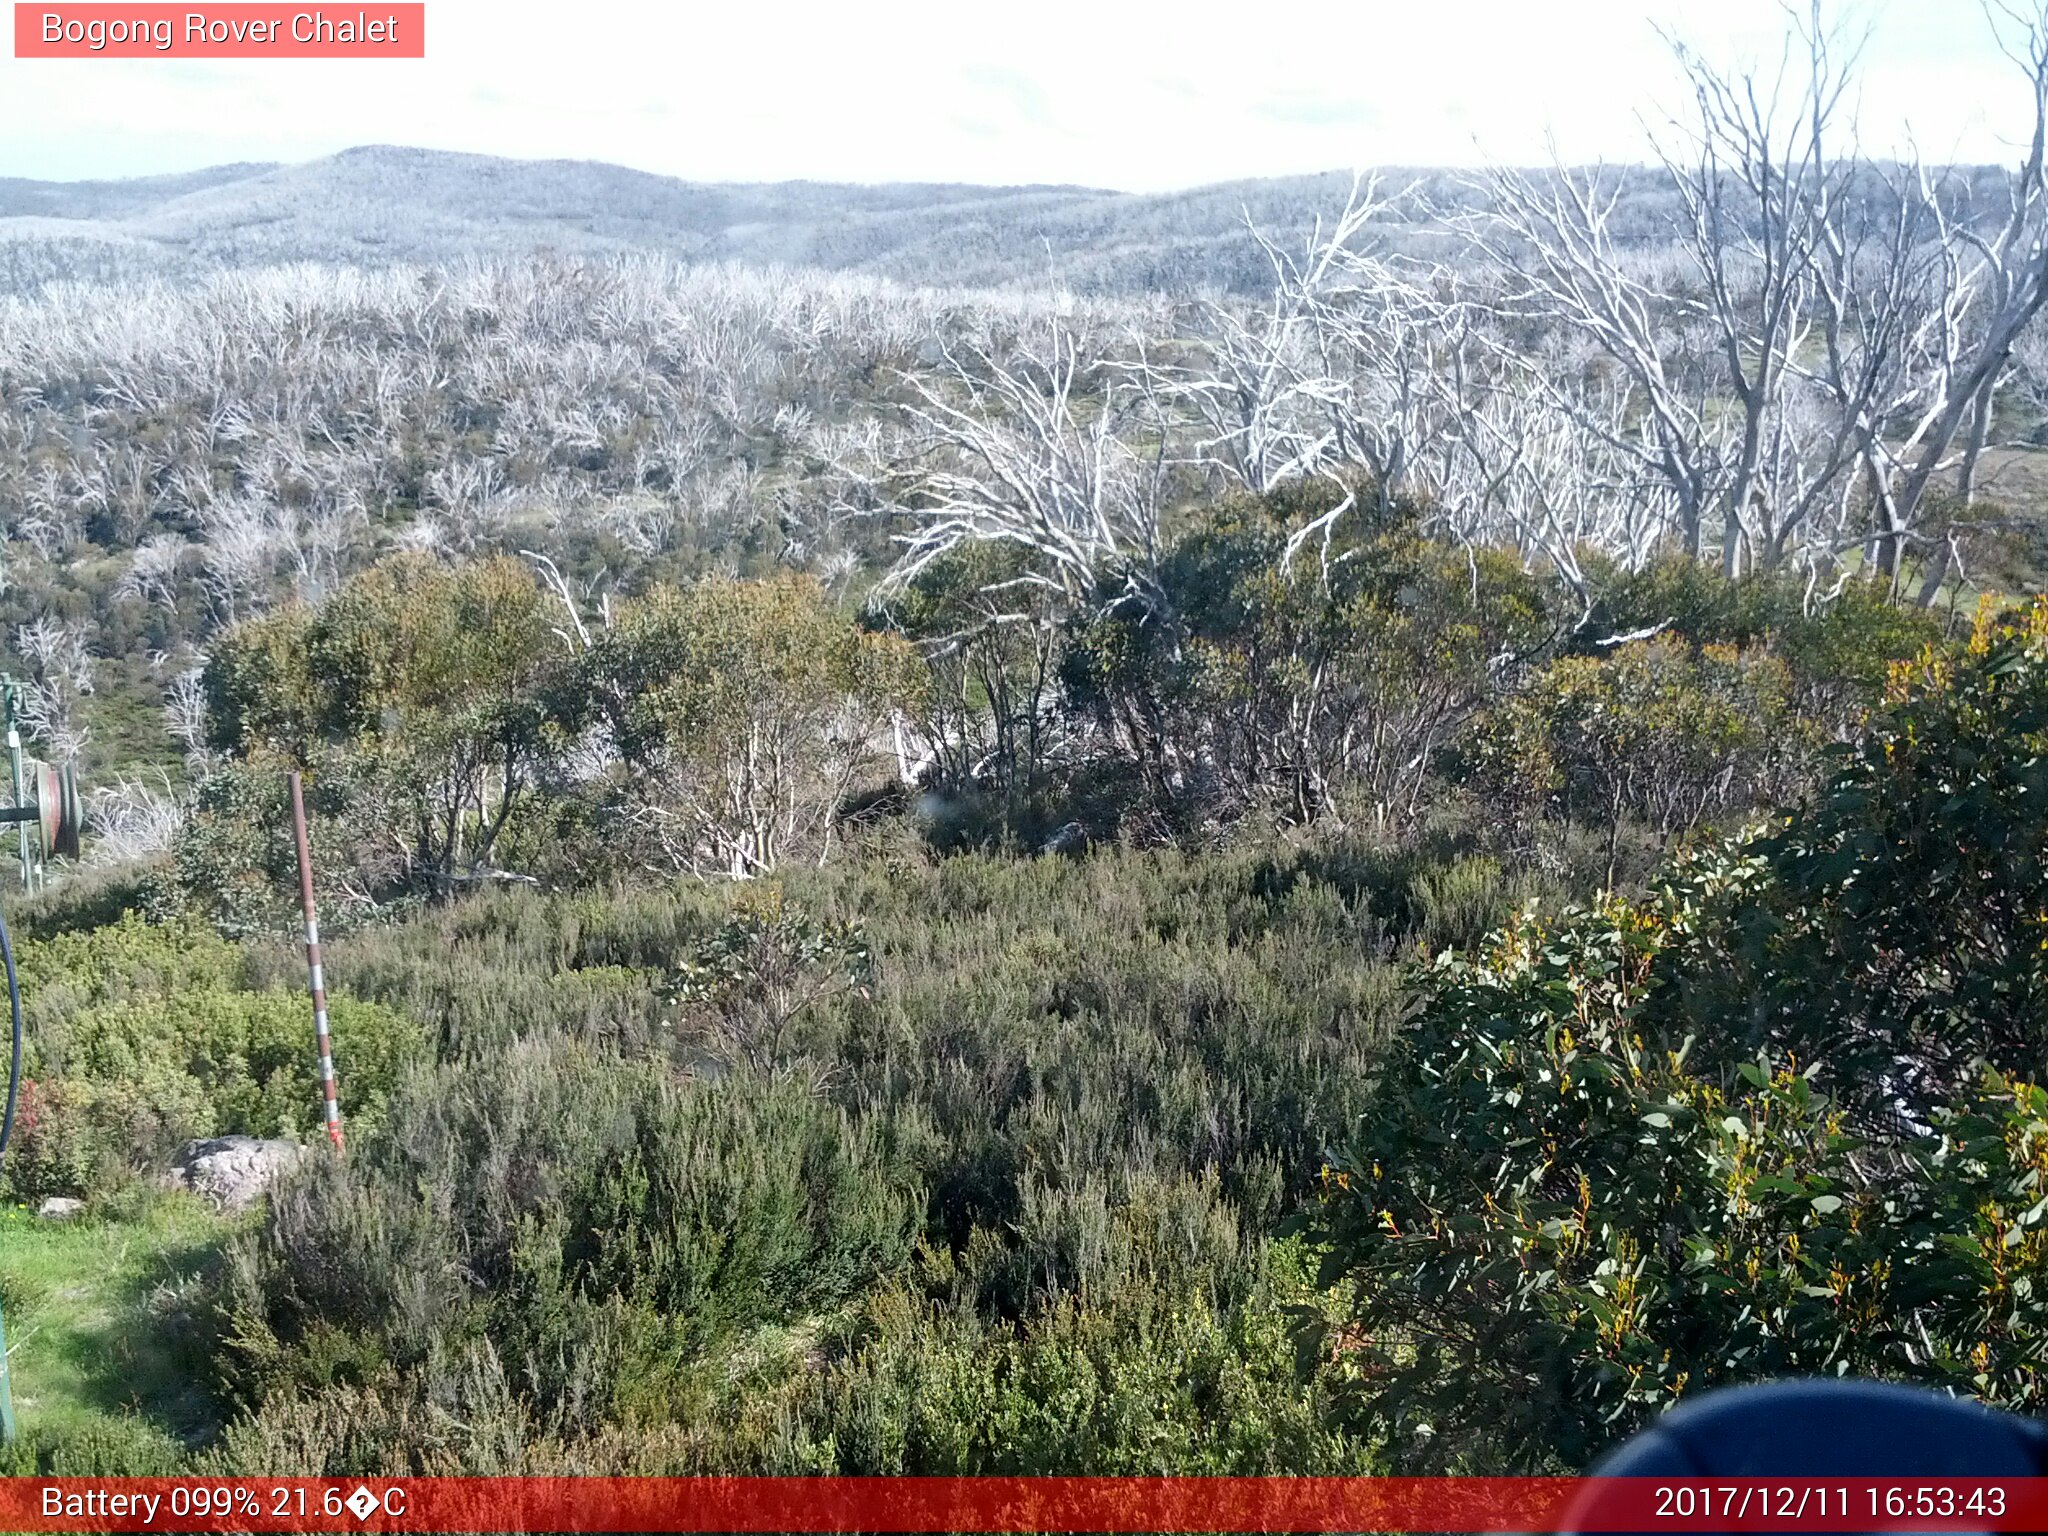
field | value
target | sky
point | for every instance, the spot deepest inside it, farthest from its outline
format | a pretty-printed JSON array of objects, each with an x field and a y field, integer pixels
[{"x": 1137, "y": 95}]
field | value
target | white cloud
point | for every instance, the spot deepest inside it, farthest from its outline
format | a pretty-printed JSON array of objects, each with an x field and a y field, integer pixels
[{"x": 1126, "y": 93}]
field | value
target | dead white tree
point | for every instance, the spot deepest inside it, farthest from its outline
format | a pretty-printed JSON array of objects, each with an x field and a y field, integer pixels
[
  {"x": 1554, "y": 235},
  {"x": 1263, "y": 393},
  {"x": 185, "y": 716},
  {"x": 154, "y": 569},
  {"x": 134, "y": 818},
  {"x": 1998, "y": 287},
  {"x": 60, "y": 663},
  {"x": 1045, "y": 450},
  {"x": 1838, "y": 346},
  {"x": 1528, "y": 458}
]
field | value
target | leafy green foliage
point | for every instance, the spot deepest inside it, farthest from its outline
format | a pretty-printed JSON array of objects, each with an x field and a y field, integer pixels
[
  {"x": 1776, "y": 1120},
  {"x": 144, "y": 1038},
  {"x": 895, "y": 1164},
  {"x": 1651, "y": 732},
  {"x": 423, "y": 689},
  {"x": 1839, "y": 649},
  {"x": 595, "y": 1219},
  {"x": 766, "y": 965},
  {"x": 724, "y": 1180},
  {"x": 744, "y": 713},
  {"x": 990, "y": 707},
  {"x": 1555, "y": 1223},
  {"x": 1150, "y": 1370},
  {"x": 1291, "y": 681},
  {"x": 1903, "y": 937}
]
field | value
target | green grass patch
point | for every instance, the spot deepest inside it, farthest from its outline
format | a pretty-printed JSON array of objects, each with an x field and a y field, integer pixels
[{"x": 100, "y": 1338}]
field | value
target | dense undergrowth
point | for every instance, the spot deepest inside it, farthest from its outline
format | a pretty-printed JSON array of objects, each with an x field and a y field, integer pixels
[
  {"x": 147, "y": 1037},
  {"x": 986, "y": 1178},
  {"x": 997, "y": 1194},
  {"x": 920, "y": 882},
  {"x": 1125, "y": 1099}
]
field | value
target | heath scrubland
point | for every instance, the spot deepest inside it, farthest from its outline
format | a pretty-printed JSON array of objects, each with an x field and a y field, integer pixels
[{"x": 1387, "y": 868}]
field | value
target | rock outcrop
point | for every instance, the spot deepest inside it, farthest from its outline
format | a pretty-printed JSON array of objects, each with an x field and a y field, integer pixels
[{"x": 232, "y": 1171}]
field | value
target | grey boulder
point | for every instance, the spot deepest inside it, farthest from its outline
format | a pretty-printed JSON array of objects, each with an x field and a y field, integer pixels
[{"x": 232, "y": 1171}]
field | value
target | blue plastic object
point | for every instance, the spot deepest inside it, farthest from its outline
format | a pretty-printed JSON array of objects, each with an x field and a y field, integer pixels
[{"x": 1830, "y": 1429}]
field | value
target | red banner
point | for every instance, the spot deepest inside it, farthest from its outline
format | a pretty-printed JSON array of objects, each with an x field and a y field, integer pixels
[
  {"x": 1018, "y": 1504},
  {"x": 222, "y": 31}
]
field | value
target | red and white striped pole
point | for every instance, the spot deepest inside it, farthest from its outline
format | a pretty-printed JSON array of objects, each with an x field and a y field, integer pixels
[{"x": 317, "y": 981}]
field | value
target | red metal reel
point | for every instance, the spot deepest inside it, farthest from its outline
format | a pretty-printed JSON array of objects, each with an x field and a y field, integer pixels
[
  {"x": 71, "y": 813},
  {"x": 59, "y": 814}
]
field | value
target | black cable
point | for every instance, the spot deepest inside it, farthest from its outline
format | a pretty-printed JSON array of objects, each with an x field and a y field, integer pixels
[{"x": 14, "y": 1060}]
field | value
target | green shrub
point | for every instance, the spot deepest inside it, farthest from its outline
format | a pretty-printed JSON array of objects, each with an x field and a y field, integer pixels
[
  {"x": 1904, "y": 935},
  {"x": 1652, "y": 731},
  {"x": 598, "y": 1220},
  {"x": 745, "y": 713},
  {"x": 1839, "y": 646},
  {"x": 990, "y": 711},
  {"x": 1593, "y": 1181},
  {"x": 421, "y": 695},
  {"x": 85, "y": 899},
  {"x": 1282, "y": 681},
  {"x": 128, "y": 1446},
  {"x": 1146, "y": 1368},
  {"x": 142, "y": 1038},
  {"x": 1137, "y": 1378},
  {"x": 1555, "y": 1223},
  {"x": 1006, "y": 1086}
]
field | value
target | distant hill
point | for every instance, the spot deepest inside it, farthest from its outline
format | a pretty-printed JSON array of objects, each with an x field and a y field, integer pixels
[
  {"x": 112, "y": 199},
  {"x": 381, "y": 204}
]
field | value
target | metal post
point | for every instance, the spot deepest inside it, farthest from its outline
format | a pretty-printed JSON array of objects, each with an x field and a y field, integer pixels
[
  {"x": 12, "y": 694},
  {"x": 17, "y": 1044},
  {"x": 7, "y": 1430},
  {"x": 317, "y": 982}
]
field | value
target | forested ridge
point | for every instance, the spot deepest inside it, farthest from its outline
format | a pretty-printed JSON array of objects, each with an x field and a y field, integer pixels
[{"x": 1390, "y": 869}]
